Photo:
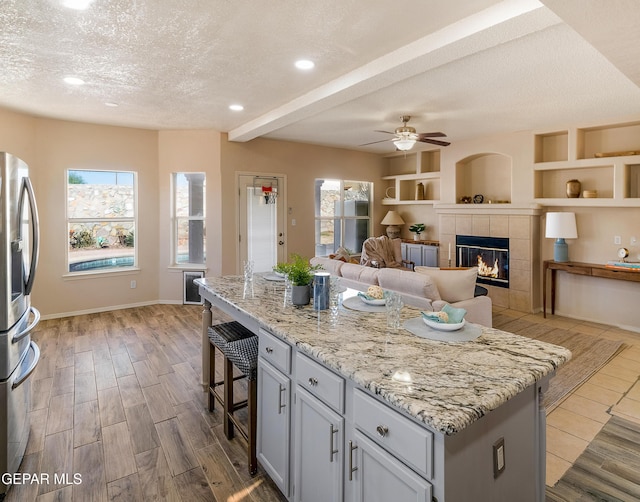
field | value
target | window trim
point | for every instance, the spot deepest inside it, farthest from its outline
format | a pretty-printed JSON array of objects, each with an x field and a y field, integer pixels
[
  {"x": 174, "y": 218},
  {"x": 84, "y": 274}
]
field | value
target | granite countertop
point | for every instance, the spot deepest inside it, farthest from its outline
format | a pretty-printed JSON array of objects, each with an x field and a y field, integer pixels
[{"x": 452, "y": 384}]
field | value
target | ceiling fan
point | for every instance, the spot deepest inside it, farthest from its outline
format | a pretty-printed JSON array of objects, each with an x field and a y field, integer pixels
[{"x": 406, "y": 136}]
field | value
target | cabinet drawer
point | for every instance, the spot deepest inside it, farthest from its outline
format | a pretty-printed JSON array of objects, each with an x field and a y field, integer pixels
[
  {"x": 321, "y": 382},
  {"x": 397, "y": 434},
  {"x": 275, "y": 351}
]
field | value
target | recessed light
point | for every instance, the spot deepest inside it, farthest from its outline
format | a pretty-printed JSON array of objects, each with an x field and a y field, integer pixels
[
  {"x": 111, "y": 104},
  {"x": 77, "y": 4},
  {"x": 304, "y": 64},
  {"x": 236, "y": 108},
  {"x": 73, "y": 80}
]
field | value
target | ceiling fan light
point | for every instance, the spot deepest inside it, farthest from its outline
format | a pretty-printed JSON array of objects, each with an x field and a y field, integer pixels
[{"x": 404, "y": 144}]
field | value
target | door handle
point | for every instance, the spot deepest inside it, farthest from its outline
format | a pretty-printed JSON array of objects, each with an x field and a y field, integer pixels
[
  {"x": 28, "y": 188},
  {"x": 28, "y": 329},
  {"x": 32, "y": 366}
]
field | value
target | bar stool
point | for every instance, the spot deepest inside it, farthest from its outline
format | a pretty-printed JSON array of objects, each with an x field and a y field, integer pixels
[{"x": 239, "y": 346}]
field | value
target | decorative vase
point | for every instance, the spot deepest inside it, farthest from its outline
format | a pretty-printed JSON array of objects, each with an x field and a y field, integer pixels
[
  {"x": 419, "y": 191},
  {"x": 573, "y": 189},
  {"x": 416, "y": 237},
  {"x": 300, "y": 295}
]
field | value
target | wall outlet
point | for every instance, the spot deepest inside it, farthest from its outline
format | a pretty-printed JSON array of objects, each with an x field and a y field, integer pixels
[
  {"x": 133, "y": 284},
  {"x": 498, "y": 458},
  {"x": 617, "y": 240}
]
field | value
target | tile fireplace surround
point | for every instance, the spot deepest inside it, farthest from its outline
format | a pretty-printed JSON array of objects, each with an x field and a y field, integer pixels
[{"x": 521, "y": 225}]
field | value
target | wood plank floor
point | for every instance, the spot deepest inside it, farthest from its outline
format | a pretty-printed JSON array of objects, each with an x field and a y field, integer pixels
[{"x": 117, "y": 400}]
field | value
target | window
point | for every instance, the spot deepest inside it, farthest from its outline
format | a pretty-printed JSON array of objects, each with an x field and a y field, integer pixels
[
  {"x": 342, "y": 215},
  {"x": 101, "y": 220},
  {"x": 188, "y": 217}
]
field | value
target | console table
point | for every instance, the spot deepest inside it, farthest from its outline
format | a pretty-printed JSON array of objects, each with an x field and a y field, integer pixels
[{"x": 573, "y": 267}]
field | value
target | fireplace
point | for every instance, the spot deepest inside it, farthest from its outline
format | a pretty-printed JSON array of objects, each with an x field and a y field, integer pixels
[{"x": 489, "y": 254}]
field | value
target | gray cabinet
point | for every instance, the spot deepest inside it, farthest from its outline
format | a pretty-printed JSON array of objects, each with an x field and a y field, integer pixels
[
  {"x": 319, "y": 454},
  {"x": 378, "y": 477},
  {"x": 423, "y": 255},
  {"x": 274, "y": 424},
  {"x": 273, "y": 447}
]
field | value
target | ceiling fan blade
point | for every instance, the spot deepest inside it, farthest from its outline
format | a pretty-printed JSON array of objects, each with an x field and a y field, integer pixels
[
  {"x": 386, "y": 132},
  {"x": 434, "y": 142},
  {"x": 374, "y": 142},
  {"x": 432, "y": 135}
]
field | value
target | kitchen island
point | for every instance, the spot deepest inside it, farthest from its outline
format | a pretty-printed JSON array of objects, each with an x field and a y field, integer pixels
[{"x": 418, "y": 418}]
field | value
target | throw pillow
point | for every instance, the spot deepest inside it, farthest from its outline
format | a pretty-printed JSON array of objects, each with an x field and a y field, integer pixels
[{"x": 453, "y": 285}]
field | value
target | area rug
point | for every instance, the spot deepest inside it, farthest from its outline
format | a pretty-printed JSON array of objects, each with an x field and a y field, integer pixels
[
  {"x": 608, "y": 470},
  {"x": 589, "y": 354}
]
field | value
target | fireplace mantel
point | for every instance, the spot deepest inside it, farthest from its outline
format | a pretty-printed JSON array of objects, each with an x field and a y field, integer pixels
[{"x": 503, "y": 209}]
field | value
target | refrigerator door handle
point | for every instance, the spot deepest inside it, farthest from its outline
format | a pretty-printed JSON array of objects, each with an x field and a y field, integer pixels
[
  {"x": 28, "y": 189},
  {"x": 28, "y": 329},
  {"x": 36, "y": 357}
]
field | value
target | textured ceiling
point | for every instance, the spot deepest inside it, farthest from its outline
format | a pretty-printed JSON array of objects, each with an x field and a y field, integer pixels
[{"x": 466, "y": 67}]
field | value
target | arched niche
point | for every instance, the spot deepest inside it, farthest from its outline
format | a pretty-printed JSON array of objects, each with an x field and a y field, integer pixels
[{"x": 487, "y": 174}]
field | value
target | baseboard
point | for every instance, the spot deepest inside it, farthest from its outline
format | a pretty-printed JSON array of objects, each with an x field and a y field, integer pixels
[{"x": 109, "y": 308}]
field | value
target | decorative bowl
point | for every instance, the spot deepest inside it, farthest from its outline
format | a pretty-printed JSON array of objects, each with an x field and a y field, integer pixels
[
  {"x": 443, "y": 326},
  {"x": 377, "y": 301}
]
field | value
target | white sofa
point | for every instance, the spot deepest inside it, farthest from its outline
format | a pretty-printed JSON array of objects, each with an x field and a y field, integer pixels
[{"x": 427, "y": 288}]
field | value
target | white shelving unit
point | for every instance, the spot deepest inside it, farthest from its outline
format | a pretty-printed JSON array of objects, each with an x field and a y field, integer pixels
[
  {"x": 406, "y": 171},
  {"x": 582, "y": 154}
]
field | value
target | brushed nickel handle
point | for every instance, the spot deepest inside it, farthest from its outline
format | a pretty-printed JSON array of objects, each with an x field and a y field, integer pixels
[
  {"x": 313, "y": 381},
  {"x": 268, "y": 350},
  {"x": 382, "y": 430},
  {"x": 332, "y": 451},
  {"x": 280, "y": 404},
  {"x": 352, "y": 469}
]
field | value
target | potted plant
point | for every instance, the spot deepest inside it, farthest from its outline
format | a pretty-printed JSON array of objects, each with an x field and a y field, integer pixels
[
  {"x": 300, "y": 274},
  {"x": 417, "y": 229}
]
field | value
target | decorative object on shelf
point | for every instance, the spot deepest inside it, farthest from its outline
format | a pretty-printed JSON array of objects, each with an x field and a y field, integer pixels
[
  {"x": 616, "y": 154},
  {"x": 419, "y": 191},
  {"x": 573, "y": 189},
  {"x": 478, "y": 198},
  {"x": 623, "y": 253},
  {"x": 417, "y": 229},
  {"x": 392, "y": 219},
  {"x": 590, "y": 194},
  {"x": 465, "y": 199},
  {"x": 561, "y": 226},
  {"x": 388, "y": 195}
]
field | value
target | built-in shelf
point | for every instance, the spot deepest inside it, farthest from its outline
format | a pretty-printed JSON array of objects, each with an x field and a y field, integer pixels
[
  {"x": 603, "y": 158},
  {"x": 405, "y": 171}
]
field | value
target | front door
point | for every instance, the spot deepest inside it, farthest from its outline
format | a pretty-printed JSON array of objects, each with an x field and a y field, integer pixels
[{"x": 261, "y": 221}]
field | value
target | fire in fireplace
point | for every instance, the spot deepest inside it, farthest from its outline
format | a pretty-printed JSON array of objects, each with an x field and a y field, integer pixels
[{"x": 489, "y": 254}]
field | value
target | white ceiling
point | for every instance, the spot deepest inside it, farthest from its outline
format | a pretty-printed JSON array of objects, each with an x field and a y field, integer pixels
[{"x": 465, "y": 67}]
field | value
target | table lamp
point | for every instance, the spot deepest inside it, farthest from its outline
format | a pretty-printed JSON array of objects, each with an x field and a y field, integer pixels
[
  {"x": 561, "y": 226},
  {"x": 392, "y": 219}
]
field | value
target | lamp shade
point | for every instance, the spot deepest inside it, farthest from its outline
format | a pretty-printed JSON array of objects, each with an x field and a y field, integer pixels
[
  {"x": 392, "y": 218},
  {"x": 561, "y": 225},
  {"x": 404, "y": 144}
]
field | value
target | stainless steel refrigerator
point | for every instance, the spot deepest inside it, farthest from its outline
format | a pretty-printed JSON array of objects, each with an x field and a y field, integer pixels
[{"x": 19, "y": 355}]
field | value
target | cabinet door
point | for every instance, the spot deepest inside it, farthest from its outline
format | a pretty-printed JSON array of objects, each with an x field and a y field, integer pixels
[
  {"x": 378, "y": 477},
  {"x": 319, "y": 456},
  {"x": 430, "y": 256},
  {"x": 414, "y": 253},
  {"x": 274, "y": 420}
]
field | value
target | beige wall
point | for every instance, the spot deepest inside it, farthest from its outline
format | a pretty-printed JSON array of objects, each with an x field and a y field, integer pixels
[
  {"x": 301, "y": 164},
  {"x": 52, "y": 146}
]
